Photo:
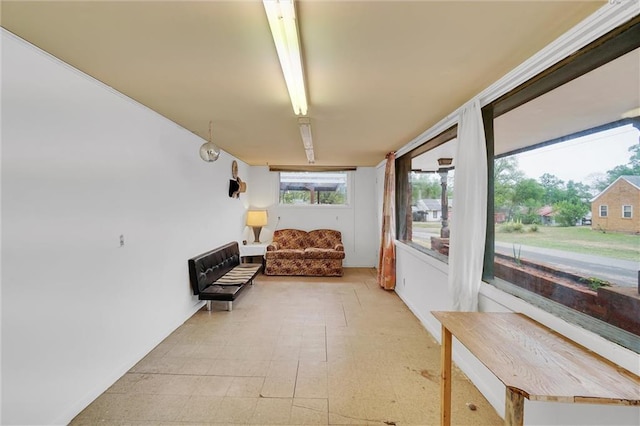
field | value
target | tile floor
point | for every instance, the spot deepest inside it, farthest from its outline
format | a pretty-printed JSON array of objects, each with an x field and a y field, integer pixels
[{"x": 294, "y": 351}]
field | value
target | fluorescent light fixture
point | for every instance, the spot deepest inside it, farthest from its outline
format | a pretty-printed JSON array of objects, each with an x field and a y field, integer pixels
[
  {"x": 305, "y": 131},
  {"x": 282, "y": 20},
  {"x": 310, "y": 156}
]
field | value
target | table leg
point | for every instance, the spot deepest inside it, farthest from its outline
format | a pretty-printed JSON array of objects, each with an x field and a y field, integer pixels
[
  {"x": 445, "y": 378},
  {"x": 514, "y": 409}
]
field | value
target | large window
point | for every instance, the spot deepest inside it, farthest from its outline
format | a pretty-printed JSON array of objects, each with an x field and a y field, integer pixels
[
  {"x": 564, "y": 162},
  {"x": 563, "y": 155},
  {"x": 313, "y": 188}
]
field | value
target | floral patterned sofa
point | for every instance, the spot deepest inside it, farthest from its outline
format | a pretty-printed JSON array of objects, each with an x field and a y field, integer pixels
[{"x": 296, "y": 252}]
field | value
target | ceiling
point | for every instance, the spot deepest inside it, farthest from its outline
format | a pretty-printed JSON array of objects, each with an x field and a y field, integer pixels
[{"x": 378, "y": 73}]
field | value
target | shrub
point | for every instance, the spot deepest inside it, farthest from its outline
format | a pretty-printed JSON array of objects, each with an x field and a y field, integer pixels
[
  {"x": 533, "y": 228},
  {"x": 510, "y": 227}
]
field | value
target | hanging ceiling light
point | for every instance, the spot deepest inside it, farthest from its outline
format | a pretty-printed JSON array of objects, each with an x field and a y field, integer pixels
[
  {"x": 282, "y": 21},
  {"x": 209, "y": 151}
]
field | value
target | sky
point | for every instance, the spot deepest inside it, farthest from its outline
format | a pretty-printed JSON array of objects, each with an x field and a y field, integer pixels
[{"x": 578, "y": 158}]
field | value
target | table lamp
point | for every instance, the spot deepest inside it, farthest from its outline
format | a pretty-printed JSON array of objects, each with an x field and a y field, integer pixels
[{"x": 256, "y": 219}]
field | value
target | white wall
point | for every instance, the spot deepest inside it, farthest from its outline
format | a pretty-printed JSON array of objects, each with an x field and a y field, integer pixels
[
  {"x": 357, "y": 222},
  {"x": 82, "y": 165},
  {"x": 422, "y": 285}
]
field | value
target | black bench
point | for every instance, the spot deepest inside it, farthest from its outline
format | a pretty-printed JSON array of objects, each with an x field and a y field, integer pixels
[{"x": 219, "y": 275}]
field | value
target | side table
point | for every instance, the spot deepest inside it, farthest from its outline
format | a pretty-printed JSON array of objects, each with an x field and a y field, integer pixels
[{"x": 253, "y": 252}]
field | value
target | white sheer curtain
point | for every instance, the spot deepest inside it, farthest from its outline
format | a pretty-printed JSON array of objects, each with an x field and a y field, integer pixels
[{"x": 469, "y": 220}]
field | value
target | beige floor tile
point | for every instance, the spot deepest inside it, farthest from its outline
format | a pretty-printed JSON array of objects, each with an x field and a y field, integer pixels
[
  {"x": 207, "y": 350},
  {"x": 306, "y": 411},
  {"x": 182, "y": 350},
  {"x": 213, "y": 385},
  {"x": 283, "y": 368},
  {"x": 234, "y": 410},
  {"x": 196, "y": 366},
  {"x": 247, "y": 387},
  {"x": 376, "y": 387},
  {"x": 200, "y": 409},
  {"x": 349, "y": 411},
  {"x": 312, "y": 368},
  {"x": 284, "y": 352},
  {"x": 156, "y": 407},
  {"x": 277, "y": 387},
  {"x": 270, "y": 411},
  {"x": 313, "y": 354},
  {"x": 311, "y": 387}
]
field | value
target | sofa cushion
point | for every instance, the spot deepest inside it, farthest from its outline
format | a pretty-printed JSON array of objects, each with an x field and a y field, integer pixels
[
  {"x": 320, "y": 253},
  {"x": 227, "y": 293},
  {"x": 291, "y": 239},
  {"x": 324, "y": 238},
  {"x": 285, "y": 254}
]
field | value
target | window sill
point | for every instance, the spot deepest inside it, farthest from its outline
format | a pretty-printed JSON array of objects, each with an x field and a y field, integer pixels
[{"x": 435, "y": 259}]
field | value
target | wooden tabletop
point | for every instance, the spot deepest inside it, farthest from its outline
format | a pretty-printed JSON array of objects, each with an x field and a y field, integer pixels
[{"x": 539, "y": 363}]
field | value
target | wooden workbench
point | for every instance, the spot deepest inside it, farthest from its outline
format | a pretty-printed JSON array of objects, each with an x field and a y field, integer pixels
[{"x": 533, "y": 362}]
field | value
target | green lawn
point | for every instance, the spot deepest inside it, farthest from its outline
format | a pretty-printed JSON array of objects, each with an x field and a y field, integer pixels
[{"x": 578, "y": 239}]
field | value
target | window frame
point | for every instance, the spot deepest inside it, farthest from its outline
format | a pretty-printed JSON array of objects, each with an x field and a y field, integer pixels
[{"x": 630, "y": 211}]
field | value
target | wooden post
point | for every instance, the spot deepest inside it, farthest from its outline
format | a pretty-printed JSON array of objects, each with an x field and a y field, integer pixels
[
  {"x": 513, "y": 409},
  {"x": 445, "y": 378}
]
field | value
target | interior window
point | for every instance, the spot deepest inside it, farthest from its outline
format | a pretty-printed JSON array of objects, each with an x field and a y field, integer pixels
[
  {"x": 313, "y": 188},
  {"x": 432, "y": 198}
]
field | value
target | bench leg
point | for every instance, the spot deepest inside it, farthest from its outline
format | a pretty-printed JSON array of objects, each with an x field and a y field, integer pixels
[
  {"x": 208, "y": 305},
  {"x": 229, "y": 306},
  {"x": 514, "y": 409},
  {"x": 445, "y": 378}
]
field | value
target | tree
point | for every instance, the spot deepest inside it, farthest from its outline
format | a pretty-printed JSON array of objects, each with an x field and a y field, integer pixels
[
  {"x": 630, "y": 169},
  {"x": 527, "y": 197},
  {"x": 425, "y": 185},
  {"x": 528, "y": 190},
  {"x": 506, "y": 176},
  {"x": 577, "y": 192},
  {"x": 569, "y": 213},
  {"x": 553, "y": 188},
  {"x": 597, "y": 182}
]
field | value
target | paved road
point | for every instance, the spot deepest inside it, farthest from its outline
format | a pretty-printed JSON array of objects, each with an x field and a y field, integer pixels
[{"x": 621, "y": 272}]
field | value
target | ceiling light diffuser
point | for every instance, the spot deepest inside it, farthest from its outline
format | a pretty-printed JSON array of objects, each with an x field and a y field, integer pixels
[
  {"x": 282, "y": 21},
  {"x": 305, "y": 131}
]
